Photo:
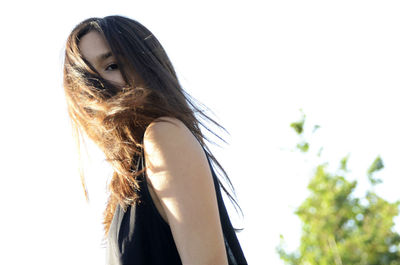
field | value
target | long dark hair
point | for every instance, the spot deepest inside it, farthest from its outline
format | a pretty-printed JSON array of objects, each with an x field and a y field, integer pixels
[{"x": 115, "y": 118}]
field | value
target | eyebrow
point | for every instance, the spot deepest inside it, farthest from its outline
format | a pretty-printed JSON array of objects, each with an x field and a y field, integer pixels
[{"x": 103, "y": 56}]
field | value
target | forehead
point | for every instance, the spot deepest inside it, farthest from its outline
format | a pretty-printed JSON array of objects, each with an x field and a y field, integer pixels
[{"x": 91, "y": 45}]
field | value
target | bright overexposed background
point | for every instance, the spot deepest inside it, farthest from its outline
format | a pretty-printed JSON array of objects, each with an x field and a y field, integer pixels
[{"x": 253, "y": 63}]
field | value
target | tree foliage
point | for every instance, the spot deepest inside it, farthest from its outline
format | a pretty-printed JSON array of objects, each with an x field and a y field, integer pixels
[{"x": 340, "y": 229}]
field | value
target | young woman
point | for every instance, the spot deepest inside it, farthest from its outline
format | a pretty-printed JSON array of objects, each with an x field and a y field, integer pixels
[{"x": 165, "y": 204}]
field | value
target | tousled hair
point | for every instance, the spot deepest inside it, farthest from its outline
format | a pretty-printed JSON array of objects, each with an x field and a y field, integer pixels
[{"x": 116, "y": 117}]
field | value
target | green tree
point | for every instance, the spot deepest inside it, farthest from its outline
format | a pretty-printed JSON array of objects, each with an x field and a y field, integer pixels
[{"x": 338, "y": 228}]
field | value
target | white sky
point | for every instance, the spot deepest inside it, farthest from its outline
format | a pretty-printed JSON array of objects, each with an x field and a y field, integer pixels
[{"x": 254, "y": 63}]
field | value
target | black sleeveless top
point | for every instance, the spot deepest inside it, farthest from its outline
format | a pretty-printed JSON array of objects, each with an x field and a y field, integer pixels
[{"x": 140, "y": 236}]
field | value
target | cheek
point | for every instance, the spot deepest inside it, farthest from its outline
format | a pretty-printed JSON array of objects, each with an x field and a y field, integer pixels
[{"x": 115, "y": 77}]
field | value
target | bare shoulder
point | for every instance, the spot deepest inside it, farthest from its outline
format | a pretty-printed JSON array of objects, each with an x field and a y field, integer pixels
[
  {"x": 169, "y": 132},
  {"x": 164, "y": 125},
  {"x": 169, "y": 144}
]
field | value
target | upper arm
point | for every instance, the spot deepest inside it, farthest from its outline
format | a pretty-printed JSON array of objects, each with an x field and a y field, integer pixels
[{"x": 177, "y": 168}]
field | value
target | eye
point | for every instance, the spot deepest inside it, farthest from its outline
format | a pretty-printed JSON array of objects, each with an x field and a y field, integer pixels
[{"x": 111, "y": 67}]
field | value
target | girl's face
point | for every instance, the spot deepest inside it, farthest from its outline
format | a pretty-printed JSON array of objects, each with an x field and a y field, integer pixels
[{"x": 95, "y": 50}]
